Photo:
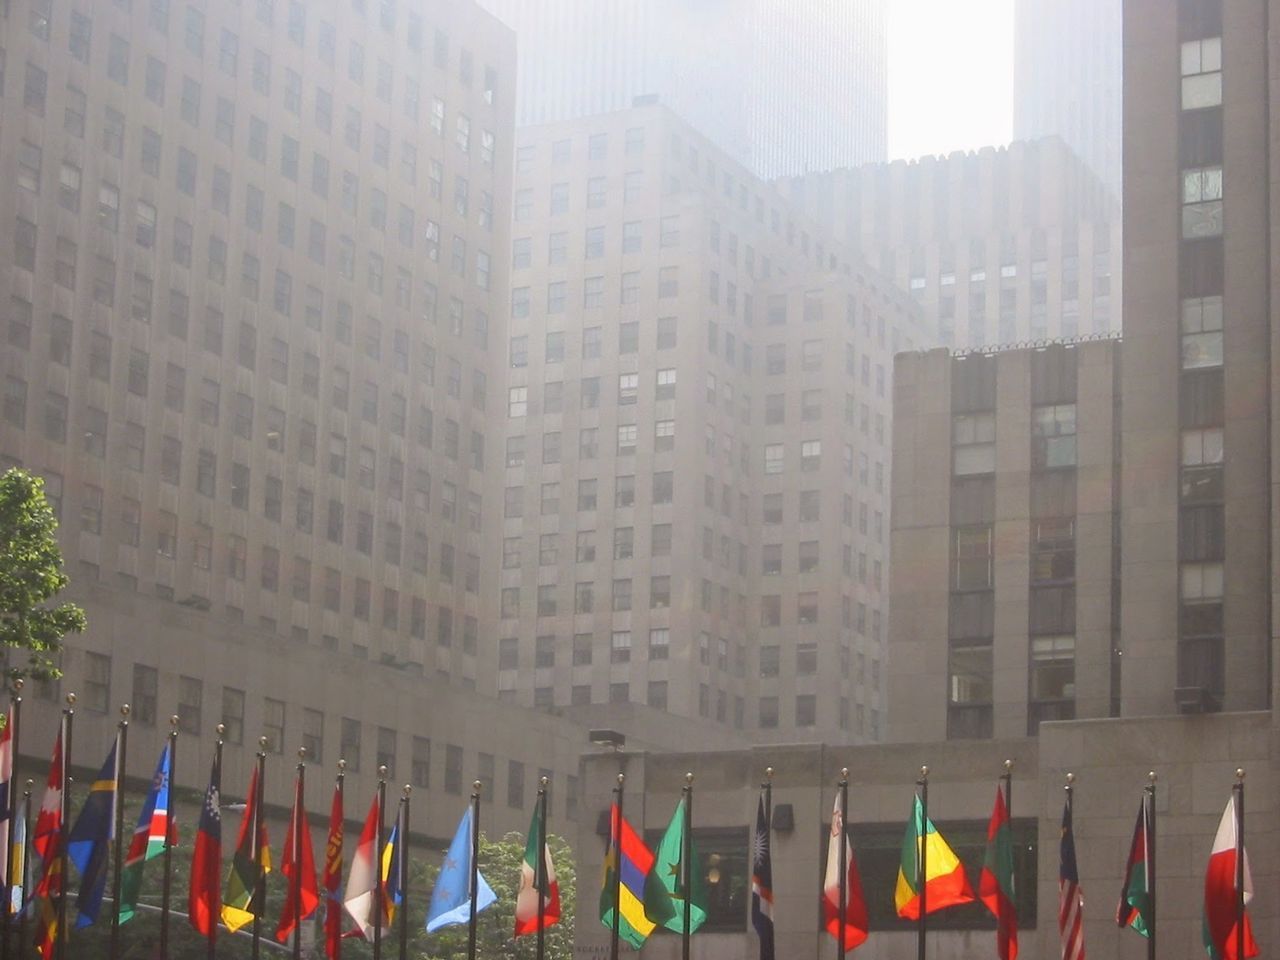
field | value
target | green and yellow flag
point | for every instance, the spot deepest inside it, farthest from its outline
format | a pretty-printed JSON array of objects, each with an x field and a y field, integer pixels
[
  {"x": 240, "y": 899},
  {"x": 673, "y": 881},
  {"x": 946, "y": 881}
]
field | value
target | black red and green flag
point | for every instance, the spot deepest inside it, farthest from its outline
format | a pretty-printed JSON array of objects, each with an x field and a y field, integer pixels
[
  {"x": 1137, "y": 896},
  {"x": 242, "y": 895},
  {"x": 995, "y": 886}
]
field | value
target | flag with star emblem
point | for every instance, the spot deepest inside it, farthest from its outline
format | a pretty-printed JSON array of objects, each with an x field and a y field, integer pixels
[
  {"x": 204, "y": 902},
  {"x": 672, "y": 880},
  {"x": 333, "y": 877},
  {"x": 155, "y": 827},
  {"x": 762, "y": 883},
  {"x": 451, "y": 896}
]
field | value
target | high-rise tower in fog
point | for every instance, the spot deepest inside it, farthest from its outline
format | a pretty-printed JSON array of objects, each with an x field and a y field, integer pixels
[{"x": 782, "y": 87}]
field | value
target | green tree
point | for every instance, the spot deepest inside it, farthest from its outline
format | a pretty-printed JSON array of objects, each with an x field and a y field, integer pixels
[{"x": 30, "y": 575}]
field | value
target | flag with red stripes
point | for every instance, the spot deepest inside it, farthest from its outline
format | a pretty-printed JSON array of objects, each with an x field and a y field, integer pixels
[{"x": 1070, "y": 896}]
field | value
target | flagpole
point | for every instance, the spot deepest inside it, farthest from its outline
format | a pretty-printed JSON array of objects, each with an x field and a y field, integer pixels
[
  {"x": 475, "y": 868},
  {"x": 15, "y": 710},
  {"x": 1150, "y": 801},
  {"x": 113, "y": 950},
  {"x": 617, "y": 867},
  {"x": 259, "y": 877},
  {"x": 1238, "y": 789},
  {"x": 403, "y": 879},
  {"x": 844, "y": 861},
  {"x": 168, "y": 841},
  {"x": 68, "y": 715},
  {"x": 379, "y": 889},
  {"x": 212, "y": 942},
  {"x": 341, "y": 786},
  {"x": 296, "y": 893},
  {"x": 922, "y": 867},
  {"x": 540, "y": 871},
  {"x": 26, "y": 874},
  {"x": 686, "y": 865}
]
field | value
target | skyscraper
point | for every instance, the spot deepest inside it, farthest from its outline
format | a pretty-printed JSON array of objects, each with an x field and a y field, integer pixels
[
  {"x": 1067, "y": 78},
  {"x": 781, "y": 87},
  {"x": 697, "y": 437}
]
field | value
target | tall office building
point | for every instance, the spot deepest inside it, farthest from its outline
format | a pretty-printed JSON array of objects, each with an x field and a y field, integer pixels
[
  {"x": 783, "y": 88},
  {"x": 1198, "y": 423},
  {"x": 697, "y": 438},
  {"x": 1150, "y": 497},
  {"x": 253, "y": 256},
  {"x": 997, "y": 246},
  {"x": 1067, "y": 78}
]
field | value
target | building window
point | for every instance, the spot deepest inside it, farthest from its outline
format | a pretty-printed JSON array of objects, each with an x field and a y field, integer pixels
[
  {"x": 1052, "y": 680},
  {"x": 969, "y": 691},
  {"x": 973, "y": 439},
  {"x": 1202, "y": 203},
  {"x": 190, "y": 695},
  {"x": 1053, "y": 436},
  {"x": 1202, "y": 73},
  {"x": 1201, "y": 332}
]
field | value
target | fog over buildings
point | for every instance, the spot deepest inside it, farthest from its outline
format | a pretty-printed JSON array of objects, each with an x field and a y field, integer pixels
[{"x": 464, "y": 387}]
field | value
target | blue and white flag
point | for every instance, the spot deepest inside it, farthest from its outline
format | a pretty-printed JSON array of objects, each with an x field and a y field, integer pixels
[{"x": 451, "y": 898}]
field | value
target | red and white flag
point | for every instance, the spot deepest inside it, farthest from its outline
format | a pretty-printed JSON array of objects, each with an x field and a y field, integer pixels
[
  {"x": 1221, "y": 905},
  {"x": 854, "y": 908}
]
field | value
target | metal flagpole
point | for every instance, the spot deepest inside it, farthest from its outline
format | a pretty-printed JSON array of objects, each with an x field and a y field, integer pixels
[
  {"x": 1149, "y": 813},
  {"x": 686, "y": 866},
  {"x": 341, "y": 786},
  {"x": 476, "y": 787},
  {"x": 26, "y": 875},
  {"x": 379, "y": 888},
  {"x": 113, "y": 951},
  {"x": 15, "y": 710},
  {"x": 540, "y": 870},
  {"x": 844, "y": 861},
  {"x": 168, "y": 841},
  {"x": 616, "y": 841},
  {"x": 403, "y": 879},
  {"x": 1238, "y": 789},
  {"x": 212, "y": 942},
  {"x": 259, "y": 894},
  {"x": 922, "y": 867},
  {"x": 68, "y": 715},
  {"x": 296, "y": 893}
]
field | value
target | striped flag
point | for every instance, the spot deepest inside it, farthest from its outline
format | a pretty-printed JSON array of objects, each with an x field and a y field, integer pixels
[
  {"x": 155, "y": 829},
  {"x": 1070, "y": 896},
  {"x": 762, "y": 883}
]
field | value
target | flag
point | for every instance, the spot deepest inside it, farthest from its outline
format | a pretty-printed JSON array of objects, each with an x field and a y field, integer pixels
[
  {"x": 762, "y": 883},
  {"x": 995, "y": 885},
  {"x": 89, "y": 842},
  {"x": 6, "y": 791},
  {"x": 48, "y": 843},
  {"x": 626, "y": 871},
  {"x": 299, "y": 868},
  {"x": 392, "y": 872},
  {"x": 1220, "y": 893},
  {"x": 18, "y": 880},
  {"x": 204, "y": 900},
  {"x": 242, "y": 896},
  {"x": 155, "y": 827},
  {"x": 451, "y": 897},
  {"x": 1070, "y": 896},
  {"x": 854, "y": 908},
  {"x": 360, "y": 881},
  {"x": 333, "y": 878},
  {"x": 49, "y": 821},
  {"x": 672, "y": 882},
  {"x": 947, "y": 885},
  {"x": 1137, "y": 896},
  {"x": 527, "y": 896}
]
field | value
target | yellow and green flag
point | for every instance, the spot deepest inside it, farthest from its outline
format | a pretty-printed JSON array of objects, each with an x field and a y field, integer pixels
[
  {"x": 946, "y": 884},
  {"x": 674, "y": 881}
]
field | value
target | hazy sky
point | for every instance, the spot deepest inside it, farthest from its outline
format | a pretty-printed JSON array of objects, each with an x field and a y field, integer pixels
[{"x": 950, "y": 75}]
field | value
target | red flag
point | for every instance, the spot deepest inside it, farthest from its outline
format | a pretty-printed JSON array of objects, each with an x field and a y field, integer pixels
[
  {"x": 362, "y": 880},
  {"x": 995, "y": 886},
  {"x": 205, "y": 899},
  {"x": 1222, "y": 933},
  {"x": 333, "y": 878},
  {"x": 48, "y": 843},
  {"x": 299, "y": 868},
  {"x": 854, "y": 907}
]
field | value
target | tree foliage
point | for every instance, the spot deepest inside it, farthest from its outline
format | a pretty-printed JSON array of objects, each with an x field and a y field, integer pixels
[{"x": 31, "y": 574}]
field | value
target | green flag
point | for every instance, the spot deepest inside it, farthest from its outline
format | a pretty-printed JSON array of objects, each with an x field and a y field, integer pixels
[{"x": 670, "y": 882}]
